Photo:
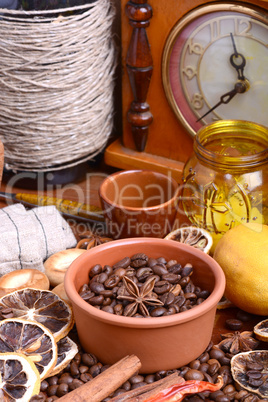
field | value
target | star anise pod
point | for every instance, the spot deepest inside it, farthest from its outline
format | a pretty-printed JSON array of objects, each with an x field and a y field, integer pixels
[
  {"x": 139, "y": 297},
  {"x": 238, "y": 342},
  {"x": 91, "y": 239}
]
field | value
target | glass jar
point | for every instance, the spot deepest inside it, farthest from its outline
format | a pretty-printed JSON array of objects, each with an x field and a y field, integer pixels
[{"x": 225, "y": 181}]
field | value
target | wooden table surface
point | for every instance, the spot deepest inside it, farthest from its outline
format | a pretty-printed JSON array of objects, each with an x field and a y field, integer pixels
[{"x": 86, "y": 190}]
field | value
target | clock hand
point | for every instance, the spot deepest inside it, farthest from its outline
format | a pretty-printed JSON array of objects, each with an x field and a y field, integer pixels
[
  {"x": 239, "y": 88},
  {"x": 238, "y": 61}
]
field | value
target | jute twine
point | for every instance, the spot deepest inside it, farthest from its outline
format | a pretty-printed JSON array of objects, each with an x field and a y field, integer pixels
[{"x": 56, "y": 85}]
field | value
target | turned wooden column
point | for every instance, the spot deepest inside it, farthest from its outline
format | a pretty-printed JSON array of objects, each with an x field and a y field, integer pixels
[{"x": 139, "y": 64}]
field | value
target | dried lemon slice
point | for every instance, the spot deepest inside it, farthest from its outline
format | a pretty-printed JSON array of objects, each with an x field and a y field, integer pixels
[
  {"x": 33, "y": 340},
  {"x": 19, "y": 378},
  {"x": 67, "y": 349},
  {"x": 261, "y": 330},
  {"x": 250, "y": 371},
  {"x": 42, "y": 306},
  {"x": 195, "y": 237}
]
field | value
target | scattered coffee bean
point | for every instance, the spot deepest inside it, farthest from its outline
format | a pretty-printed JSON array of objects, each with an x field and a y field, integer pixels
[{"x": 234, "y": 324}]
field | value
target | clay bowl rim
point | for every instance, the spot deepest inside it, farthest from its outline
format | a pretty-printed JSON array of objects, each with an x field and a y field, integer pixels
[
  {"x": 128, "y": 208},
  {"x": 152, "y": 322}
]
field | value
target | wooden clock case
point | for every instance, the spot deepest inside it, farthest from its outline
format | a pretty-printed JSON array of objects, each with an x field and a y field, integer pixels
[{"x": 152, "y": 136}]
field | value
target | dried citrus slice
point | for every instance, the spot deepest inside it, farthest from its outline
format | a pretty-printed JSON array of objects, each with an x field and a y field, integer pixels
[
  {"x": 224, "y": 303},
  {"x": 250, "y": 371},
  {"x": 67, "y": 349},
  {"x": 195, "y": 237},
  {"x": 261, "y": 330},
  {"x": 19, "y": 378},
  {"x": 33, "y": 340},
  {"x": 42, "y": 306}
]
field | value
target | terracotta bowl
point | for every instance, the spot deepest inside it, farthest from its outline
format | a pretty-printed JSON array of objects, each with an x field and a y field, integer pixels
[
  {"x": 139, "y": 203},
  {"x": 161, "y": 343}
]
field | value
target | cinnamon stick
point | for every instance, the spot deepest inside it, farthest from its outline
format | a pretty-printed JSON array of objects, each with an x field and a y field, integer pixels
[
  {"x": 142, "y": 393},
  {"x": 105, "y": 383}
]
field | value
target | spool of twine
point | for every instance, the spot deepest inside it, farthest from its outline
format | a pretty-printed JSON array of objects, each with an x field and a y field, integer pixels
[{"x": 56, "y": 84}]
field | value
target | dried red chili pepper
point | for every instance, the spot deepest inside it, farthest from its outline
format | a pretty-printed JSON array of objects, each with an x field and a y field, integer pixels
[{"x": 177, "y": 392}]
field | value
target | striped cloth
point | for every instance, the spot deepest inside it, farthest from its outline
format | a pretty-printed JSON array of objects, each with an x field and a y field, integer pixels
[{"x": 29, "y": 237}]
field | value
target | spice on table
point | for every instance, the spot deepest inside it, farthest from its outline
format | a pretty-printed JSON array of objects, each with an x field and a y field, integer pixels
[
  {"x": 177, "y": 392},
  {"x": 106, "y": 382},
  {"x": 91, "y": 239},
  {"x": 236, "y": 342}
]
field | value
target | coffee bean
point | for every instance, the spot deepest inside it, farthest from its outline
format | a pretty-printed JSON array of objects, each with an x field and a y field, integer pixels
[
  {"x": 204, "y": 367},
  {"x": 161, "y": 289},
  {"x": 97, "y": 269},
  {"x": 255, "y": 382},
  {"x": 187, "y": 270},
  {"x": 124, "y": 263},
  {"x": 38, "y": 398},
  {"x": 95, "y": 369},
  {"x": 171, "y": 278},
  {"x": 52, "y": 390},
  {"x": 230, "y": 391},
  {"x": 96, "y": 300},
  {"x": 143, "y": 273},
  {"x": 85, "y": 377},
  {"x": 234, "y": 324},
  {"x": 254, "y": 366},
  {"x": 222, "y": 398},
  {"x": 151, "y": 262},
  {"x": 171, "y": 263},
  {"x": 65, "y": 378},
  {"x": 75, "y": 384},
  {"x": 108, "y": 269},
  {"x": 204, "y": 357},
  {"x": 215, "y": 394},
  {"x": 195, "y": 398},
  {"x": 96, "y": 287},
  {"x": 89, "y": 359},
  {"x": 139, "y": 260},
  {"x": 184, "y": 281},
  {"x": 167, "y": 298},
  {"x": 126, "y": 386},
  {"x": 193, "y": 374},
  {"x": 74, "y": 369},
  {"x": 52, "y": 380},
  {"x": 158, "y": 311},
  {"x": 243, "y": 316},
  {"x": 159, "y": 270},
  {"x": 195, "y": 364},
  {"x": 108, "y": 309},
  {"x": 62, "y": 390}
]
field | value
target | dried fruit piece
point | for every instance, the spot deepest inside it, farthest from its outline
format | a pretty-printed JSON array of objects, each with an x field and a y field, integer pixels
[
  {"x": 195, "y": 237},
  {"x": 224, "y": 303},
  {"x": 261, "y": 330},
  {"x": 33, "y": 340},
  {"x": 19, "y": 378},
  {"x": 42, "y": 306},
  {"x": 67, "y": 349},
  {"x": 250, "y": 371},
  {"x": 236, "y": 342}
]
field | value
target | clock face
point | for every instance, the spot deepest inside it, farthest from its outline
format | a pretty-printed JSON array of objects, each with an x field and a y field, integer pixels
[{"x": 214, "y": 66}]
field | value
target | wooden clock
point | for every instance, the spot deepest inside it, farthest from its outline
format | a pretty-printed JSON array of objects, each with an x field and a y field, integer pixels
[{"x": 186, "y": 64}]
